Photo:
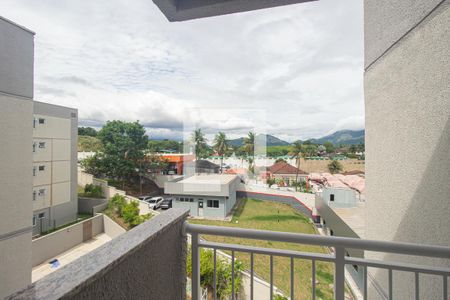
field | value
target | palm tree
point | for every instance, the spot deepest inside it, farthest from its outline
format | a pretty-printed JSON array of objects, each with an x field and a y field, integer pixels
[
  {"x": 220, "y": 145},
  {"x": 249, "y": 147},
  {"x": 334, "y": 167},
  {"x": 199, "y": 141},
  {"x": 298, "y": 151}
]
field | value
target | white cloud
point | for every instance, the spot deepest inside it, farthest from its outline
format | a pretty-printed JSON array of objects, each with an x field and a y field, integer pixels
[{"x": 301, "y": 66}]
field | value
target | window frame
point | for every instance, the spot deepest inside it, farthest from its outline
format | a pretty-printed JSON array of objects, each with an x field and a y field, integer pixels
[{"x": 210, "y": 204}]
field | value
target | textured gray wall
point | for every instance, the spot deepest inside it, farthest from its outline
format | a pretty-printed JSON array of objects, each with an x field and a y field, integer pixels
[
  {"x": 16, "y": 59},
  {"x": 407, "y": 98},
  {"x": 85, "y": 205},
  {"x": 147, "y": 262},
  {"x": 55, "y": 243}
]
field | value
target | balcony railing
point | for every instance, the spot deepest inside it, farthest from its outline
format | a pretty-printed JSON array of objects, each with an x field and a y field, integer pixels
[
  {"x": 338, "y": 257},
  {"x": 149, "y": 262}
]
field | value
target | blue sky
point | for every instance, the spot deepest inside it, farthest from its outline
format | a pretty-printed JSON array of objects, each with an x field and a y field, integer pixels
[{"x": 294, "y": 71}]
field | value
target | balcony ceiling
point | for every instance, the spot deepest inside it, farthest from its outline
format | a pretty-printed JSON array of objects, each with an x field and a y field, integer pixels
[{"x": 182, "y": 10}]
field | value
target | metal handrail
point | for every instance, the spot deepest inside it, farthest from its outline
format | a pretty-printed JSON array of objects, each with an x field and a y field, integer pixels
[
  {"x": 339, "y": 257},
  {"x": 327, "y": 241}
]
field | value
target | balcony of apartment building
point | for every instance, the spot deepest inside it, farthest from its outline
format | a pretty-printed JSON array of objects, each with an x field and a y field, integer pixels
[{"x": 149, "y": 262}]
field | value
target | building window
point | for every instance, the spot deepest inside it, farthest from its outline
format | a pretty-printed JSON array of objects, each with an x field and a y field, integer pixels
[
  {"x": 41, "y": 168},
  {"x": 34, "y": 147},
  {"x": 41, "y": 192},
  {"x": 182, "y": 199},
  {"x": 34, "y": 195},
  {"x": 34, "y": 171},
  {"x": 41, "y": 144},
  {"x": 41, "y": 215},
  {"x": 34, "y": 221},
  {"x": 41, "y": 121},
  {"x": 34, "y": 122},
  {"x": 213, "y": 203},
  {"x": 191, "y": 199},
  {"x": 331, "y": 197}
]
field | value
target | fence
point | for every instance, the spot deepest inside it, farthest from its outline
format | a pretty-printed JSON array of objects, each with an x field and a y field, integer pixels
[{"x": 339, "y": 258}]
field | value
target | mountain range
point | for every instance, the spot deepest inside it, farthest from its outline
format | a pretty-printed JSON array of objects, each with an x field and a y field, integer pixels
[
  {"x": 347, "y": 137},
  {"x": 270, "y": 141}
]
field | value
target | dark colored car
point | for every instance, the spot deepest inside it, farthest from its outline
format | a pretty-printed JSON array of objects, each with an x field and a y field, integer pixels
[{"x": 166, "y": 204}]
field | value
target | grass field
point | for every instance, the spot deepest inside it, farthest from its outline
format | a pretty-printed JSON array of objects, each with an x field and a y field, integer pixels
[{"x": 265, "y": 215}]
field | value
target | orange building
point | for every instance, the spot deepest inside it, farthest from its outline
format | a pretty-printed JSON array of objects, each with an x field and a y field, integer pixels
[{"x": 176, "y": 161}]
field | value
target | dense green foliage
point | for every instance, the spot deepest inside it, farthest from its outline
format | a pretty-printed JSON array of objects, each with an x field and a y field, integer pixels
[
  {"x": 87, "y": 131},
  {"x": 155, "y": 146},
  {"x": 123, "y": 151},
  {"x": 128, "y": 212},
  {"x": 223, "y": 274},
  {"x": 249, "y": 149},
  {"x": 334, "y": 167},
  {"x": 198, "y": 139},
  {"x": 275, "y": 151},
  {"x": 92, "y": 191},
  {"x": 89, "y": 144},
  {"x": 220, "y": 146}
]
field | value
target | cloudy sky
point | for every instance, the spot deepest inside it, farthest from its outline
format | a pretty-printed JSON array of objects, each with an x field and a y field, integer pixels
[{"x": 294, "y": 71}]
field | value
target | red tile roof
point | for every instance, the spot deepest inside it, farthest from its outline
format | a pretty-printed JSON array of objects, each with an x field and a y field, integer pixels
[
  {"x": 354, "y": 172},
  {"x": 282, "y": 167}
]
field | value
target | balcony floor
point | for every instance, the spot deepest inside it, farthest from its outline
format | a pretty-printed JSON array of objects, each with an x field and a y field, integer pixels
[{"x": 68, "y": 256}]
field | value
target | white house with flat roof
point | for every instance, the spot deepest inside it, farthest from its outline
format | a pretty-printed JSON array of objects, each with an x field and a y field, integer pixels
[{"x": 206, "y": 195}]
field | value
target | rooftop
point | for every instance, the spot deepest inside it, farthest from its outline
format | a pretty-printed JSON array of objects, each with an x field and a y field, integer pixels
[
  {"x": 282, "y": 167},
  {"x": 354, "y": 217},
  {"x": 209, "y": 179}
]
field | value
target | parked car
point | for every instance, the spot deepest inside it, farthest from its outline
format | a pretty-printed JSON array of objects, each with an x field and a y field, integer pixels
[
  {"x": 166, "y": 204},
  {"x": 145, "y": 198},
  {"x": 155, "y": 202}
]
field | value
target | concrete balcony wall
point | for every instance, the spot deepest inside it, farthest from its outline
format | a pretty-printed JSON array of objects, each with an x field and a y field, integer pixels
[
  {"x": 407, "y": 132},
  {"x": 147, "y": 262}
]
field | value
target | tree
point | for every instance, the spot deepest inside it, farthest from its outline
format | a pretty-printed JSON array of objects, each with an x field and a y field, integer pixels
[
  {"x": 199, "y": 140},
  {"x": 298, "y": 151},
  {"x": 89, "y": 144},
  {"x": 123, "y": 148},
  {"x": 270, "y": 181},
  {"x": 93, "y": 165},
  {"x": 221, "y": 146},
  {"x": 249, "y": 148},
  {"x": 223, "y": 274},
  {"x": 164, "y": 145},
  {"x": 329, "y": 147},
  {"x": 334, "y": 166},
  {"x": 87, "y": 131}
]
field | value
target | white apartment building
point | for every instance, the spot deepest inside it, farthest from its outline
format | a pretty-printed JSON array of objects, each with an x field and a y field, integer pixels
[
  {"x": 38, "y": 178},
  {"x": 54, "y": 194},
  {"x": 16, "y": 108}
]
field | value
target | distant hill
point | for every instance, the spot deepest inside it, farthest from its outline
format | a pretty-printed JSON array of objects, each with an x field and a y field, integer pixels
[
  {"x": 270, "y": 141},
  {"x": 348, "y": 137}
]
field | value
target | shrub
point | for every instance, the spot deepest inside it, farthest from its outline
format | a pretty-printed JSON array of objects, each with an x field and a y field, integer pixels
[
  {"x": 270, "y": 181},
  {"x": 93, "y": 191},
  {"x": 117, "y": 204},
  {"x": 223, "y": 269},
  {"x": 130, "y": 212}
]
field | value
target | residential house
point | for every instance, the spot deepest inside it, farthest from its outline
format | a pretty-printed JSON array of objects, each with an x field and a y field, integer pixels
[
  {"x": 286, "y": 173},
  {"x": 205, "y": 195}
]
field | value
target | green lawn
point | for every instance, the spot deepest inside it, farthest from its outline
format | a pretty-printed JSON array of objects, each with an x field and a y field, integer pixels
[{"x": 267, "y": 215}]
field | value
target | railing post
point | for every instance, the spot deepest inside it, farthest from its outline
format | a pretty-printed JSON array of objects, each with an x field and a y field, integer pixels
[
  {"x": 195, "y": 255},
  {"x": 339, "y": 274}
]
